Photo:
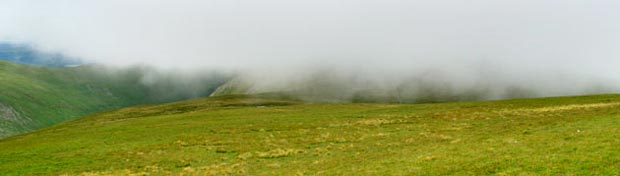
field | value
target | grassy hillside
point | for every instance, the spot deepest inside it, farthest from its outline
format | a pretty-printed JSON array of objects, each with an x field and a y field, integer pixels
[
  {"x": 264, "y": 136},
  {"x": 34, "y": 97}
]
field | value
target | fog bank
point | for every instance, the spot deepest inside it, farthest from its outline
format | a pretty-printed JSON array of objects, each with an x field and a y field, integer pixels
[{"x": 446, "y": 50}]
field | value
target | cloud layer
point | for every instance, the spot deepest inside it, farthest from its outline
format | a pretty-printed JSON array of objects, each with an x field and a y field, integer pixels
[{"x": 551, "y": 47}]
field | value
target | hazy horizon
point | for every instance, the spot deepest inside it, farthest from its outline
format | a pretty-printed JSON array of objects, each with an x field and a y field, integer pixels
[{"x": 547, "y": 47}]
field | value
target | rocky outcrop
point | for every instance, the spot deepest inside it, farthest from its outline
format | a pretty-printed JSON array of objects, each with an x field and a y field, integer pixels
[
  {"x": 235, "y": 86},
  {"x": 11, "y": 121},
  {"x": 8, "y": 113}
]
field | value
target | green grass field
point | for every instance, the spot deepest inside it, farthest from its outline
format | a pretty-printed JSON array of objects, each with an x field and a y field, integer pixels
[{"x": 243, "y": 135}]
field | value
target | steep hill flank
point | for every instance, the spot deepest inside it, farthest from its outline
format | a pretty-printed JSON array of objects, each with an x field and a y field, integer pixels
[{"x": 35, "y": 97}]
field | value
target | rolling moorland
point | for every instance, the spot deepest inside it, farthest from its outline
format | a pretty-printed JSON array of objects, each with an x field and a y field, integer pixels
[
  {"x": 271, "y": 135},
  {"x": 32, "y": 97}
]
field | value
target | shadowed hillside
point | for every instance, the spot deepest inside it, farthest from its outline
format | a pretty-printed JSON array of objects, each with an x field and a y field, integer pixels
[{"x": 34, "y": 97}]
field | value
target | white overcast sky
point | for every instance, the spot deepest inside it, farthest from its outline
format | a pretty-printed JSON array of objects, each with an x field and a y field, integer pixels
[{"x": 512, "y": 37}]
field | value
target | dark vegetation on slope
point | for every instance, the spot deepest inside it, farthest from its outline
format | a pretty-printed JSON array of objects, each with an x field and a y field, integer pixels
[{"x": 34, "y": 97}]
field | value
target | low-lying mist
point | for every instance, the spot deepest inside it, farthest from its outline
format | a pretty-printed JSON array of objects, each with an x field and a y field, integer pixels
[
  {"x": 418, "y": 86},
  {"x": 156, "y": 85},
  {"x": 339, "y": 50}
]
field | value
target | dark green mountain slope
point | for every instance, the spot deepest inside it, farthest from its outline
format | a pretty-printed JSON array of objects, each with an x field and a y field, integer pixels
[{"x": 34, "y": 97}]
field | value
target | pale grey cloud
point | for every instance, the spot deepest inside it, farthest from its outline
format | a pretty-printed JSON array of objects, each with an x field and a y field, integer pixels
[{"x": 558, "y": 46}]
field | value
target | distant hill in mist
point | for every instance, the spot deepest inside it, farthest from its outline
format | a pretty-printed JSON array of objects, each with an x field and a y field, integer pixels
[
  {"x": 325, "y": 88},
  {"x": 27, "y": 55}
]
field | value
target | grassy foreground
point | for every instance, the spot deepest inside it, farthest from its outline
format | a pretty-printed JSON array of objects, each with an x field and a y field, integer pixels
[{"x": 260, "y": 136}]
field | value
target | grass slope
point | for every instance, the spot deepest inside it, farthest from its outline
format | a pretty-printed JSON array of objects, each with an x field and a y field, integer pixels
[
  {"x": 263, "y": 136},
  {"x": 35, "y": 97}
]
